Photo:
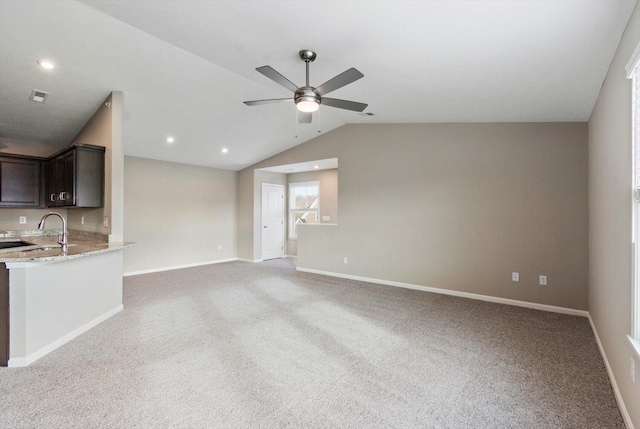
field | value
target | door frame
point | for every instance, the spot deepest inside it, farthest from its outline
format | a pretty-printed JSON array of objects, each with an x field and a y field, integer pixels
[{"x": 262, "y": 220}]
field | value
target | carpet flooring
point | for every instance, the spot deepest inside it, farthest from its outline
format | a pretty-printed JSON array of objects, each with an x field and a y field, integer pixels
[{"x": 241, "y": 345}]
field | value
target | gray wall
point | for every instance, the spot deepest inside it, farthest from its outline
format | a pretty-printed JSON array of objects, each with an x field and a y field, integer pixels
[
  {"x": 246, "y": 202},
  {"x": 456, "y": 206},
  {"x": 178, "y": 214},
  {"x": 610, "y": 219},
  {"x": 328, "y": 198}
]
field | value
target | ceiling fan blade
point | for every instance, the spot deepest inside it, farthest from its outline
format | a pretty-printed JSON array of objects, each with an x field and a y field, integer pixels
[
  {"x": 304, "y": 117},
  {"x": 344, "y": 78},
  {"x": 343, "y": 104},
  {"x": 269, "y": 101},
  {"x": 272, "y": 74}
]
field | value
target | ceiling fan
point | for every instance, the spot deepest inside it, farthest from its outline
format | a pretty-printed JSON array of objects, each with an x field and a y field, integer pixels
[{"x": 307, "y": 98}]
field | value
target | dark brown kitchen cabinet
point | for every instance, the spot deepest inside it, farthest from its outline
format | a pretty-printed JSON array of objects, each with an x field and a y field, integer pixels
[
  {"x": 21, "y": 181},
  {"x": 75, "y": 177}
]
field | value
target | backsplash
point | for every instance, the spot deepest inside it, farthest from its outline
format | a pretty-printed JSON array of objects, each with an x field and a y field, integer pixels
[
  {"x": 10, "y": 218},
  {"x": 93, "y": 219},
  {"x": 73, "y": 234}
]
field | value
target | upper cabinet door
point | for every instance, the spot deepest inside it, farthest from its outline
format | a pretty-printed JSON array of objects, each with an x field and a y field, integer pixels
[
  {"x": 20, "y": 182},
  {"x": 69, "y": 173},
  {"x": 75, "y": 177},
  {"x": 58, "y": 180}
]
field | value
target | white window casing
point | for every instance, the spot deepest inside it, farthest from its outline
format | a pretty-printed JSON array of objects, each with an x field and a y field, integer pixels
[
  {"x": 633, "y": 73},
  {"x": 304, "y": 205},
  {"x": 634, "y": 62}
]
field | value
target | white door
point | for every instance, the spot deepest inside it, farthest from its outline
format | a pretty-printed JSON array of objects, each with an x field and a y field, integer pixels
[{"x": 272, "y": 221}]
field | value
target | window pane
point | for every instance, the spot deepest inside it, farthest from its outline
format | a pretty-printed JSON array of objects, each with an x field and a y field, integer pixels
[
  {"x": 636, "y": 127},
  {"x": 303, "y": 217},
  {"x": 304, "y": 205},
  {"x": 304, "y": 197},
  {"x": 635, "y": 130}
]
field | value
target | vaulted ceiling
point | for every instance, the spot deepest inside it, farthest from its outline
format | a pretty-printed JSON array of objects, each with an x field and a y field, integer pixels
[{"x": 186, "y": 66}]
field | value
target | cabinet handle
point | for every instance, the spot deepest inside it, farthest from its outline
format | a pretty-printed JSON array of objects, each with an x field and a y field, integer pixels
[
  {"x": 62, "y": 198},
  {"x": 52, "y": 197}
]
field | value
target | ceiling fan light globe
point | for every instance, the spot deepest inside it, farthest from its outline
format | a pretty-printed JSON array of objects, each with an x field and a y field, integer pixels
[{"x": 307, "y": 106}]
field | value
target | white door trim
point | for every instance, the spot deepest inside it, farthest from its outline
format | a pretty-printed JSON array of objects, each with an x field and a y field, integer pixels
[{"x": 272, "y": 223}]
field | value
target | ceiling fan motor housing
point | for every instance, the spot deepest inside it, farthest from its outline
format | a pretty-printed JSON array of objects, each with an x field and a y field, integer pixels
[{"x": 308, "y": 97}]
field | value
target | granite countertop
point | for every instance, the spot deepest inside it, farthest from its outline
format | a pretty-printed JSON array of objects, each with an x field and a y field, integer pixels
[{"x": 45, "y": 248}]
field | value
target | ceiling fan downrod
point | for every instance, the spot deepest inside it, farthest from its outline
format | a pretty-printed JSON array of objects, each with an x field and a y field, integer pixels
[{"x": 308, "y": 57}]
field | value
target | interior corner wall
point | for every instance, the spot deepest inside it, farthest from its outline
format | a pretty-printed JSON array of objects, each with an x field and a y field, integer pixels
[
  {"x": 105, "y": 129},
  {"x": 610, "y": 219},
  {"x": 116, "y": 163},
  {"x": 328, "y": 181},
  {"x": 178, "y": 215},
  {"x": 245, "y": 214},
  {"x": 457, "y": 207}
]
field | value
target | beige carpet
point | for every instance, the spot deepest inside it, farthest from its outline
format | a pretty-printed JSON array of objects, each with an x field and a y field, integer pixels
[{"x": 241, "y": 345}]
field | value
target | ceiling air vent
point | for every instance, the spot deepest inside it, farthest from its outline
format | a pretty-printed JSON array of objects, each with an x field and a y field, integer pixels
[{"x": 38, "y": 96}]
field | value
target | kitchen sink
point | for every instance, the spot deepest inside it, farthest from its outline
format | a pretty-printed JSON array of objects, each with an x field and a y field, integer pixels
[
  {"x": 47, "y": 247},
  {"x": 10, "y": 244}
]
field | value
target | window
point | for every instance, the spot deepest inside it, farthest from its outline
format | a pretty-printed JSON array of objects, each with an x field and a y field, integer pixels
[
  {"x": 304, "y": 205},
  {"x": 633, "y": 72}
]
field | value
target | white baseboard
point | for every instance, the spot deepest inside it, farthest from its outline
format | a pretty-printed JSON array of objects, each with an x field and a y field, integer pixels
[
  {"x": 18, "y": 362},
  {"x": 532, "y": 305},
  {"x": 262, "y": 260},
  {"x": 612, "y": 379},
  {"x": 178, "y": 267}
]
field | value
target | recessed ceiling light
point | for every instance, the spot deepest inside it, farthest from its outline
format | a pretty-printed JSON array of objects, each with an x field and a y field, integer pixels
[
  {"x": 170, "y": 140},
  {"x": 316, "y": 166},
  {"x": 46, "y": 64},
  {"x": 224, "y": 150}
]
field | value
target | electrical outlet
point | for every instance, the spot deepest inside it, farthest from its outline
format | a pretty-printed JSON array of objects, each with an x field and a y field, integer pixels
[
  {"x": 346, "y": 260},
  {"x": 326, "y": 218},
  {"x": 82, "y": 220},
  {"x": 543, "y": 280},
  {"x": 219, "y": 246},
  {"x": 23, "y": 220},
  {"x": 106, "y": 222},
  {"x": 633, "y": 370},
  {"x": 515, "y": 277}
]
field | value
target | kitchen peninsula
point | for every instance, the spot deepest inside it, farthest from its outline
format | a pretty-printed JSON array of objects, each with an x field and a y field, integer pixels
[{"x": 50, "y": 295}]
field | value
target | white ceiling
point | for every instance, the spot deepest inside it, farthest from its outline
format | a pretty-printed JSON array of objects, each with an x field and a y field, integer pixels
[{"x": 186, "y": 66}]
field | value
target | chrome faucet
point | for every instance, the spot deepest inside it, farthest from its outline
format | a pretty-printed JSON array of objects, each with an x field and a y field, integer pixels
[{"x": 62, "y": 238}]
